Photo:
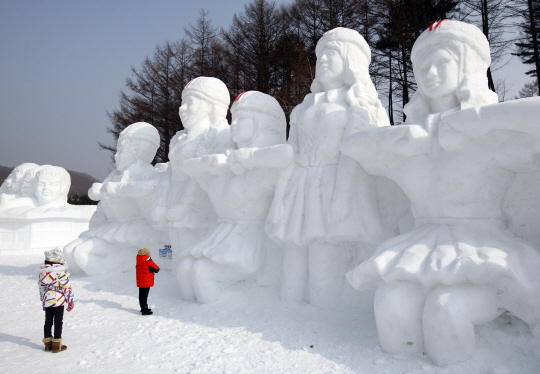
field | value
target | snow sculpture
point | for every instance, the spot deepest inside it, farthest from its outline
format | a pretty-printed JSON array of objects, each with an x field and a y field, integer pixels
[
  {"x": 240, "y": 184},
  {"x": 34, "y": 212},
  {"x": 454, "y": 158},
  {"x": 324, "y": 204},
  {"x": 122, "y": 223},
  {"x": 11, "y": 187},
  {"x": 182, "y": 205}
]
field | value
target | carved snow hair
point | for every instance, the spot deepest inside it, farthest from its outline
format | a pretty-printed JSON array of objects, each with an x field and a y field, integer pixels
[
  {"x": 470, "y": 48},
  {"x": 211, "y": 90},
  {"x": 56, "y": 171},
  {"x": 269, "y": 123},
  {"x": 23, "y": 168}
]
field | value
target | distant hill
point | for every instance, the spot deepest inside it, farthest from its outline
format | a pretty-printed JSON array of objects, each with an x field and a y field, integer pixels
[{"x": 80, "y": 182}]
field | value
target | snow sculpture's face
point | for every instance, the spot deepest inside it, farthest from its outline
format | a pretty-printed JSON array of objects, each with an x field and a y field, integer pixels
[
  {"x": 50, "y": 188},
  {"x": 329, "y": 69},
  {"x": 242, "y": 127},
  {"x": 193, "y": 111},
  {"x": 126, "y": 153},
  {"x": 28, "y": 188},
  {"x": 438, "y": 74},
  {"x": 14, "y": 181}
]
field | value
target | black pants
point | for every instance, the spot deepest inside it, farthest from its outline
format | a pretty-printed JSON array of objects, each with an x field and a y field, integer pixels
[
  {"x": 55, "y": 313},
  {"x": 143, "y": 296}
]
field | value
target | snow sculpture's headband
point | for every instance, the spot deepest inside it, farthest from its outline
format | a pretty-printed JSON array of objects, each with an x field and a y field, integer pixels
[
  {"x": 342, "y": 34},
  {"x": 258, "y": 102},
  {"x": 209, "y": 88},
  {"x": 447, "y": 32},
  {"x": 143, "y": 131}
]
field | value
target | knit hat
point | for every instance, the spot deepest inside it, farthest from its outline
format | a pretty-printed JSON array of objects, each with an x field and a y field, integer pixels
[
  {"x": 143, "y": 131},
  {"x": 259, "y": 102},
  {"x": 55, "y": 255},
  {"x": 144, "y": 252},
  {"x": 342, "y": 34},
  {"x": 447, "y": 31},
  {"x": 210, "y": 88}
]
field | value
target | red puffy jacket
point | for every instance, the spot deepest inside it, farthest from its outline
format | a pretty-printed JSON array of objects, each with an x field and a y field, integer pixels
[{"x": 145, "y": 276}]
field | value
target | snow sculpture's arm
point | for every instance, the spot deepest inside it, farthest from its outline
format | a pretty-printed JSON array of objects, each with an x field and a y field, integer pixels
[
  {"x": 277, "y": 156},
  {"x": 135, "y": 189},
  {"x": 512, "y": 128},
  {"x": 210, "y": 164},
  {"x": 381, "y": 149},
  {"x": 521, "y": 115}
]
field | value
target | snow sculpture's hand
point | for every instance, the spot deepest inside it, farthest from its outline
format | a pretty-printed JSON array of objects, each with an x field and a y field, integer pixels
[
  {"x": 242, "y": 160},
  {"x": 217, "y": 164},
  {"x": 235, "y": 161},
  {"x": 70, "y": 307},
  {"x": 95, "y": 191}
]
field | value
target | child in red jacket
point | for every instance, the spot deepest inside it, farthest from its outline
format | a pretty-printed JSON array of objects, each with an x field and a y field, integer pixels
[{"x": 145, "y": 278}]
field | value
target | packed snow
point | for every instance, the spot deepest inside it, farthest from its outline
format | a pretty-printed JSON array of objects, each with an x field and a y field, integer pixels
[{"x": 248, "y": 330}]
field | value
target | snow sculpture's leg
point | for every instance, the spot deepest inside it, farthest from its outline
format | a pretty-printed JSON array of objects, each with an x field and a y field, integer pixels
[
  {"x": 328, "y": 264},
  {"x": 182, "y": 239},
  {"x": 398, "y": 313},
  {"x": 209, "y": 278},
  {"x": 96, "y": 256},
  {"x": 70, "y": 259},
  {"x": 295, "y": 274},
  {"x": 183, "y": 275},
  {"x": 450, "y": 314}
]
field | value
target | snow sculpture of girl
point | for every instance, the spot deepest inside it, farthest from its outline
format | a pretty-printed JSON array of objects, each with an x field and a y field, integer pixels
[
  {"x": 454, "y": 158},
  {"x": 325, "y": 205},
  {"x": 121, "y": 224},
  {"x": 181, "y": 205},
  {"x": 240, "y": 184}
]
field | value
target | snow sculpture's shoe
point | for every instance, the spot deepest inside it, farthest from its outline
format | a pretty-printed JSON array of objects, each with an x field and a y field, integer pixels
[
  {"x": 57, "y": 346},
  {"x": 48, "y": 344}
]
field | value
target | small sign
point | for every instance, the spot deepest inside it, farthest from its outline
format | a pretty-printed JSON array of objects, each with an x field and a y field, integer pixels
[{"x": 165, "y": 252}]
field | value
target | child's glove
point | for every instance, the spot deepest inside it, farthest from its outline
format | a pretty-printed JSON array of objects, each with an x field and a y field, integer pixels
[{"x": 70, "y": 307}]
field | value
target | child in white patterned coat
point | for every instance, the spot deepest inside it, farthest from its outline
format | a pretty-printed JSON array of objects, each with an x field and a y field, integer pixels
[{"x": 55, "y": 292}]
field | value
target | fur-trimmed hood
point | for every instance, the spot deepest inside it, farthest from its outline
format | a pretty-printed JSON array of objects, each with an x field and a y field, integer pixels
[{"x": 51, "y": 268}]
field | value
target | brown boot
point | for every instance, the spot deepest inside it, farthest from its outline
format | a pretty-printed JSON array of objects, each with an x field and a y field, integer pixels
[
  {"x": 48, "y": 344},
  {"x": 57, "y": 346}
]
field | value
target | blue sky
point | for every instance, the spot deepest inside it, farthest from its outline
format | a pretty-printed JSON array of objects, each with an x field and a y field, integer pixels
[{"x": 64, "y": 63}]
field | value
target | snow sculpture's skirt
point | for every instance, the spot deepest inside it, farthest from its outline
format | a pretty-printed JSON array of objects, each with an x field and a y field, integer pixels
[
  {"x": 299, "y": 211},
  {"x": 436, "y": 254},
  {"x": 239, "y": 245}
]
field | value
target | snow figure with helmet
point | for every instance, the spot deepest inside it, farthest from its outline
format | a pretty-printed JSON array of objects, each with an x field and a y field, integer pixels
[
  {"x": 182, "y": 206},
  {"x": 325, "y": 205},
  {"x": 454, "y": 158},
  {"x": 122, "y": 222},
  {"x": 240, "y": 184}
]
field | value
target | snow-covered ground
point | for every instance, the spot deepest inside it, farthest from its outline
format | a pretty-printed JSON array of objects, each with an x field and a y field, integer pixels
[{"x": 249, "y": 330}]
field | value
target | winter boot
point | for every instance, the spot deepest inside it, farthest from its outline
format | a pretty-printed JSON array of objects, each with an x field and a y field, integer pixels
[
  {"x": 57, "y": 346},
  {"x": 147, "y": 308},
  {"x": 48, "y": 344},
  {"x": 146, "y": 311}
]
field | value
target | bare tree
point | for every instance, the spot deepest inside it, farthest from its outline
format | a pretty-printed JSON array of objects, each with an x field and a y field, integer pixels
[
  {"x": 202, "y": 36},
  {"x": 528, "y": 45}
]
